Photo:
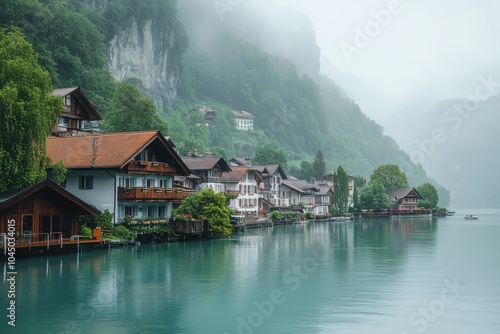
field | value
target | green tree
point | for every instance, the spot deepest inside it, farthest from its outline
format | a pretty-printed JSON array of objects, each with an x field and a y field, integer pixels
[
  {"x": 28, "y": 112},
  {"x": 306, "y": 170},
  {"x": 319, "y": 166},
  {"x": 373, "y": 196},
  {"x": 221, "y": 129},
  {"x": 341, "y": 190},
  {"x": 132, "y": 111},
  {"x": 209, "y": 205},
  {"x": 356, "y": 205},
  {"x": 359, "y": 181},
  {"x": 266, "y": 154},
  {"x": 390, "y": 176},
  {"x": 430, "y": 196},
  {"x": 59, "y": 172}
]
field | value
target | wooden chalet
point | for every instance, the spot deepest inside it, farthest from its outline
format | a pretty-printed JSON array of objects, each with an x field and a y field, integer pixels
[
  {"x": 209, "y": 169},
  {"x": 131, "y": 174},
  {"x": 43, "y": 215},
  {"x": 79, "y": 116},
  {"x": 406, "y": 199},
  {"x": 272, "y": 177}
]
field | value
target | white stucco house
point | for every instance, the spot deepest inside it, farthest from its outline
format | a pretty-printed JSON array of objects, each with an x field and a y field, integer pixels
[
  {"x": 244, "y": 181},
  {"x": 131, "y": 174},
  {"x": 244, "y": 120}
]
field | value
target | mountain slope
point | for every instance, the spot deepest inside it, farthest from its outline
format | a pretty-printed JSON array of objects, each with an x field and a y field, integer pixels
[{"x": 242, "y": 60}]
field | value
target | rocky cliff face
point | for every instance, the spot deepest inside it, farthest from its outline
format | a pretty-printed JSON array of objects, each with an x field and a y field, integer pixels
[{"x": 142, "y": 52}]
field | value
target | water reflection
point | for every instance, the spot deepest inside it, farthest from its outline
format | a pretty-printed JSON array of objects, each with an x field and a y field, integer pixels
[{"x": 340, "y": 277}]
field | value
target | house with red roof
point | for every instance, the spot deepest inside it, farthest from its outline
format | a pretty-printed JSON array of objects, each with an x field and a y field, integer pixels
[
  {"x": 405, "y": 199},
  {"x": 131, "y": 174}
]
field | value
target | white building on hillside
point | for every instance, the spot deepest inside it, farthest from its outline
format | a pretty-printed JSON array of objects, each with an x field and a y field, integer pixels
[{"x": 244, "y": 120}]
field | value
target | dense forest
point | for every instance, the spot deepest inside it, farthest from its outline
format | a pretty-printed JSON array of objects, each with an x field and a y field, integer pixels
[{"x": 241, "y": 61}]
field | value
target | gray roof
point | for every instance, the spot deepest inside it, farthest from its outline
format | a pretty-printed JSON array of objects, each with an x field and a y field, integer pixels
[{"x": 399, "y": 193}]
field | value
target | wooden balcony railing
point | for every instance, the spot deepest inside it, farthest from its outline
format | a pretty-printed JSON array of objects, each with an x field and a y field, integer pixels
[
  {"x": 140, "y": 194},
  {"x": 149, "y": 167},
  {"x": 191, "y": 227}
]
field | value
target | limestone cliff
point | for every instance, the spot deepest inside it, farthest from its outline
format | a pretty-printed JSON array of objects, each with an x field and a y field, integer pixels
[
  {"x": 145, "y": 42},
  {"x": 142, "y": 52}
]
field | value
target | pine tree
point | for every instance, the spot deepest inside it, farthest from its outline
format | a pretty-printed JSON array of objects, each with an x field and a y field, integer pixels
[{"x": 319, "y": 166}]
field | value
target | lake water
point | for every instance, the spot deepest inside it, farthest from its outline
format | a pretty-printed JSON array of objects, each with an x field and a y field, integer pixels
[{"x": 399, "y": 276}]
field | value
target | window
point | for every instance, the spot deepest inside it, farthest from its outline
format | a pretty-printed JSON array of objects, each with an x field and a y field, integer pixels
[
  {"x": 128, "y": 182},
  {"x": 129, "y": 211},
  {"x": 27, "y": 225},
  {"x": 62, "y": 122},
  {"x": 150, "y": 183},
  {"x": 86, "y": 181},
  {"x": 151, "y": 211},
  {"x": 67, "y": 100},
  {"x": 161, "y": 211}
]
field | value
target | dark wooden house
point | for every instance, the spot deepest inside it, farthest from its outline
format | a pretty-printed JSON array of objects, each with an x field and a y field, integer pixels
[
  {"x": 79, "y": 116},
  {"x": 44, "y": 212}
]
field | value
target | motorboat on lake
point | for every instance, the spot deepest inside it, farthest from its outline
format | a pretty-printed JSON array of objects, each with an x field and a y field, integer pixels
[{"x": 471, "y": 217}]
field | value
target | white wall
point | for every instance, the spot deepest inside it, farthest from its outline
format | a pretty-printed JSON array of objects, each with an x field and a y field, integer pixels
[{"x": 103, "y": 193}]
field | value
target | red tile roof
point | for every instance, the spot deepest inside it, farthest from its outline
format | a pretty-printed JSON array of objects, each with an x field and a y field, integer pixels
[
  {"x": 236, "y": 174},
  {"x": 108, "y": 150}
]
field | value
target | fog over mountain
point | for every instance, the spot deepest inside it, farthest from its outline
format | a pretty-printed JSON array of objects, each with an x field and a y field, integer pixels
[{"x": 399, "y": 60}]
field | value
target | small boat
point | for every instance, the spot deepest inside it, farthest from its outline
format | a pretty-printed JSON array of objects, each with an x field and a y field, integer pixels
[
  {"x": 450, "y": 213},
  {"x": 471, "y": 217}
]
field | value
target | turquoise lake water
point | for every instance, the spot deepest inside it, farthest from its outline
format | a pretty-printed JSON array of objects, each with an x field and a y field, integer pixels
[{"x": 391, "y": 276}]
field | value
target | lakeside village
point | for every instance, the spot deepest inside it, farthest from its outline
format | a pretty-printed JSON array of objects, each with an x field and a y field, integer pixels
[{"x": 130, "y": 185}]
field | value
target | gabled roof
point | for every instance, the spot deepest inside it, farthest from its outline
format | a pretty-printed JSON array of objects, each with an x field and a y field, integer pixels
[
  {"x": 301, "y": 185},
  {"x": 399, "y": 193},
  {"x": 238, "y": 172},
  {"x": 10, "y": 198},
  {"x": 206, "y": 163},
  {"x": 242, "y": 114},
  {"x": 324, "y": 191},
  {"x": 109, "y": 150},
  {"x": 240, "y": 161},
  {"x": 87, "y": 106},
  {"x": 289, "y": 184},
  {"x": 271, "y": 170}
]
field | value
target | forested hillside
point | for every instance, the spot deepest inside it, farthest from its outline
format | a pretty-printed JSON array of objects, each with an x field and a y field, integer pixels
[{"x": 241, "y": 61}]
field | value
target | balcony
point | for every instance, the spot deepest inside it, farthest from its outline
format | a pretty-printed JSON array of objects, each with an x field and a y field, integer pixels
[
  {"x": 143, "y": 194},
  {"x": 149, "y": 167}
]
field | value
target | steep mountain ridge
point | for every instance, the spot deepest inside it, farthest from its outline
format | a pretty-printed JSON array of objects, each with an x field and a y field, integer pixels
[{"x": 241, "y": 60}]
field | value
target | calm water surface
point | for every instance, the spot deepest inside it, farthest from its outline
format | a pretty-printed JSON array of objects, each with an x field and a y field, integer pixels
[{"x": 400, "y": 276}]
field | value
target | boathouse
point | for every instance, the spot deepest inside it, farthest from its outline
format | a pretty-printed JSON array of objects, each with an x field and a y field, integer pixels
[{"x": 42, "y": 214}]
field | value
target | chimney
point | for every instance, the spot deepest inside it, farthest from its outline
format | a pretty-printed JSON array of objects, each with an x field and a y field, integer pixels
[{"x": 189, "y": 154}]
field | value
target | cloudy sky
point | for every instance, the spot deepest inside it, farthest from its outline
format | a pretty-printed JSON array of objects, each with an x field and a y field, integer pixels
[{"x": 404, "y": 49}]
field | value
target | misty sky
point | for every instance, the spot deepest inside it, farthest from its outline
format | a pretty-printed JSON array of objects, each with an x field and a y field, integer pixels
[{"x": 431, "y": 49}]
